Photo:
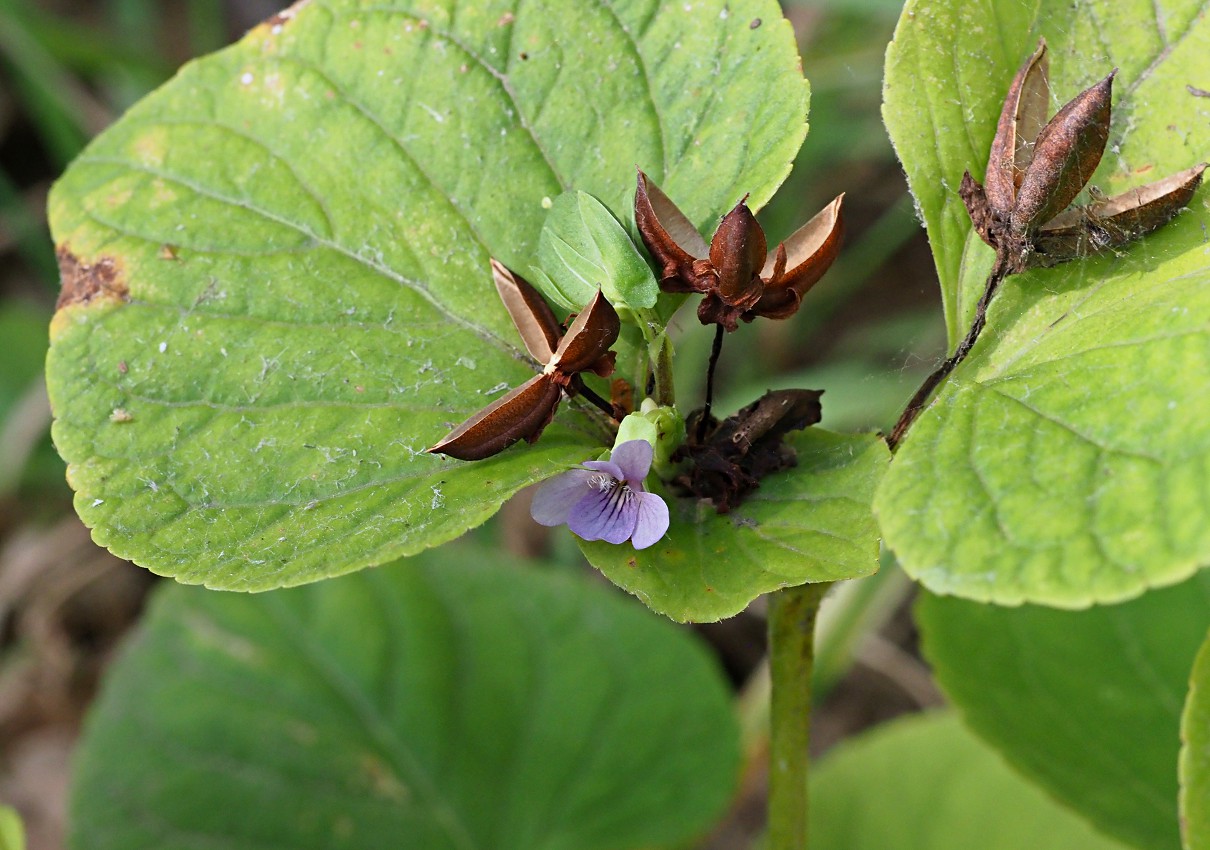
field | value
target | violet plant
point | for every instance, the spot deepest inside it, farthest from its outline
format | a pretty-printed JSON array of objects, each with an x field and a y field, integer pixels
[{"x": 279, "y": 267}]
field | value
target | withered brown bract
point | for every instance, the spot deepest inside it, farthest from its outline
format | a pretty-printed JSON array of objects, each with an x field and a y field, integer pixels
[
  {"x": 1037, "y": 168},
  {"x": 738, "y": 276},
  {"x": 732, "y": 457},
  {"x": 524, "y": 412}
]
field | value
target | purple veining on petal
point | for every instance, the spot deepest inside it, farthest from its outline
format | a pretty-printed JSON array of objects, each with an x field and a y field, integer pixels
[
  {"x": 652, "y": 520},
  {"x": 634, "y": 459},
  {"x": 605, "y": 499},
  {"x": 554, "y": 500},
  {"x": 607, "y": 514}
]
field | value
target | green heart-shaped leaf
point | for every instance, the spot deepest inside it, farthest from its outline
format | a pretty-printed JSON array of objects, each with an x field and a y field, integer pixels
[
  {"x": 277, "y": 291},
  {"x": 449, "y": 702},
  {"x": 1063, "y": 462},
  {"x": 1088, "y": 703}
]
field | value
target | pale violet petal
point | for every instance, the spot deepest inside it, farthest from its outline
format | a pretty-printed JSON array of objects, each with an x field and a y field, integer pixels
[
  {"x": 608, "y": 514},
  {"x": 634, "y": 458},
  {"x": 556, "y": 497},
  {"x": 607, "y": 466},
  {"x": 652, "y": 522}
]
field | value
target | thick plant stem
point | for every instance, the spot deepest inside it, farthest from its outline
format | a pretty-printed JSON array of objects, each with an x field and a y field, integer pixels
[
  {"x": 792, "y": 614},
  {"x": 999, "y": 272}
]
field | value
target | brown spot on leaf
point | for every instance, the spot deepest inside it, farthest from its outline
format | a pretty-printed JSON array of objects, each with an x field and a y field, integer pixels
[
  {"x": 84, "y": 283},
  {"x": 506, "y": 19},
  {"x": 755, "y": 24},
  {"x": 282, "y": 17},
  {"x": 1196, "y": 92}
]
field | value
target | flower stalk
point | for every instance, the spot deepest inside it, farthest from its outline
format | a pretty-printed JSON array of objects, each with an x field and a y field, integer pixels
[
  {"x": 792, "y": 615},
  {"x": 715, "y": 350},
  {"x": 1000, "y": 270}
]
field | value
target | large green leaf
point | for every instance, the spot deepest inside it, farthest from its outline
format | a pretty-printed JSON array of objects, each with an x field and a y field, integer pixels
[
  {"x": 1086, "y": 702},
  {"x": 1195, "y": 755},
  {"x": 1064, "y": 462},
  {"x": 277, "y": 289},
  {"x": 812, "y": 523},
  {"x": 450, "y": 701},
  {"x": 925, "y": 783}
]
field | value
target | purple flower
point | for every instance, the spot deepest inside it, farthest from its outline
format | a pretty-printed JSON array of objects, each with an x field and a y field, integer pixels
[{"x": 605, "y": 500}]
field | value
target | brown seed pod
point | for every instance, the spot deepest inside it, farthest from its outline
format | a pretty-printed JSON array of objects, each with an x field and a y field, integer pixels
[
  {"x": 1021, "y": 119},
  {"x": 1116, "y": 221},
  {"x": 524, "y": 412},
  {"x": 1037, "y": 168},
  {"x": 739, "y": 277},
  {"x": 1066, "y": 153}
]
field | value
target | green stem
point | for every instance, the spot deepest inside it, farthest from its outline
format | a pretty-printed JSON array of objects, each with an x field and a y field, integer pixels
[
  {"x": 661, "y": 368},
  {"x": 792, "y": 614},
  {"x": 1003, "y": 267}
]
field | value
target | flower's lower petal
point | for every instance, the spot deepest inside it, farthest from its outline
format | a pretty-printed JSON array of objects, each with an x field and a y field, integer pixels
[
  {"x": 634, "y": 458},
  {"x": 555, "y": 498},
  {"x": 652, "y": 520},
  {"x": 607, "y": 515}
]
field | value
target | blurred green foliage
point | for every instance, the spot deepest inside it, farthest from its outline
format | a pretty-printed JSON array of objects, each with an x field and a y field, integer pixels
[{"x": 65, "y": 74}]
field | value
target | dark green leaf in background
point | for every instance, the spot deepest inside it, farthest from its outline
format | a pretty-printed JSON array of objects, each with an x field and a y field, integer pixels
[
  {"x": 280, "y": 292},
  {"x": 926, "y": 783},
  {"x": 1087, "y": 703},
  {"x": 1065, "y": 461},
  {"x": 449, "y": 701},
  {"x": 1195, "y": 755}
]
